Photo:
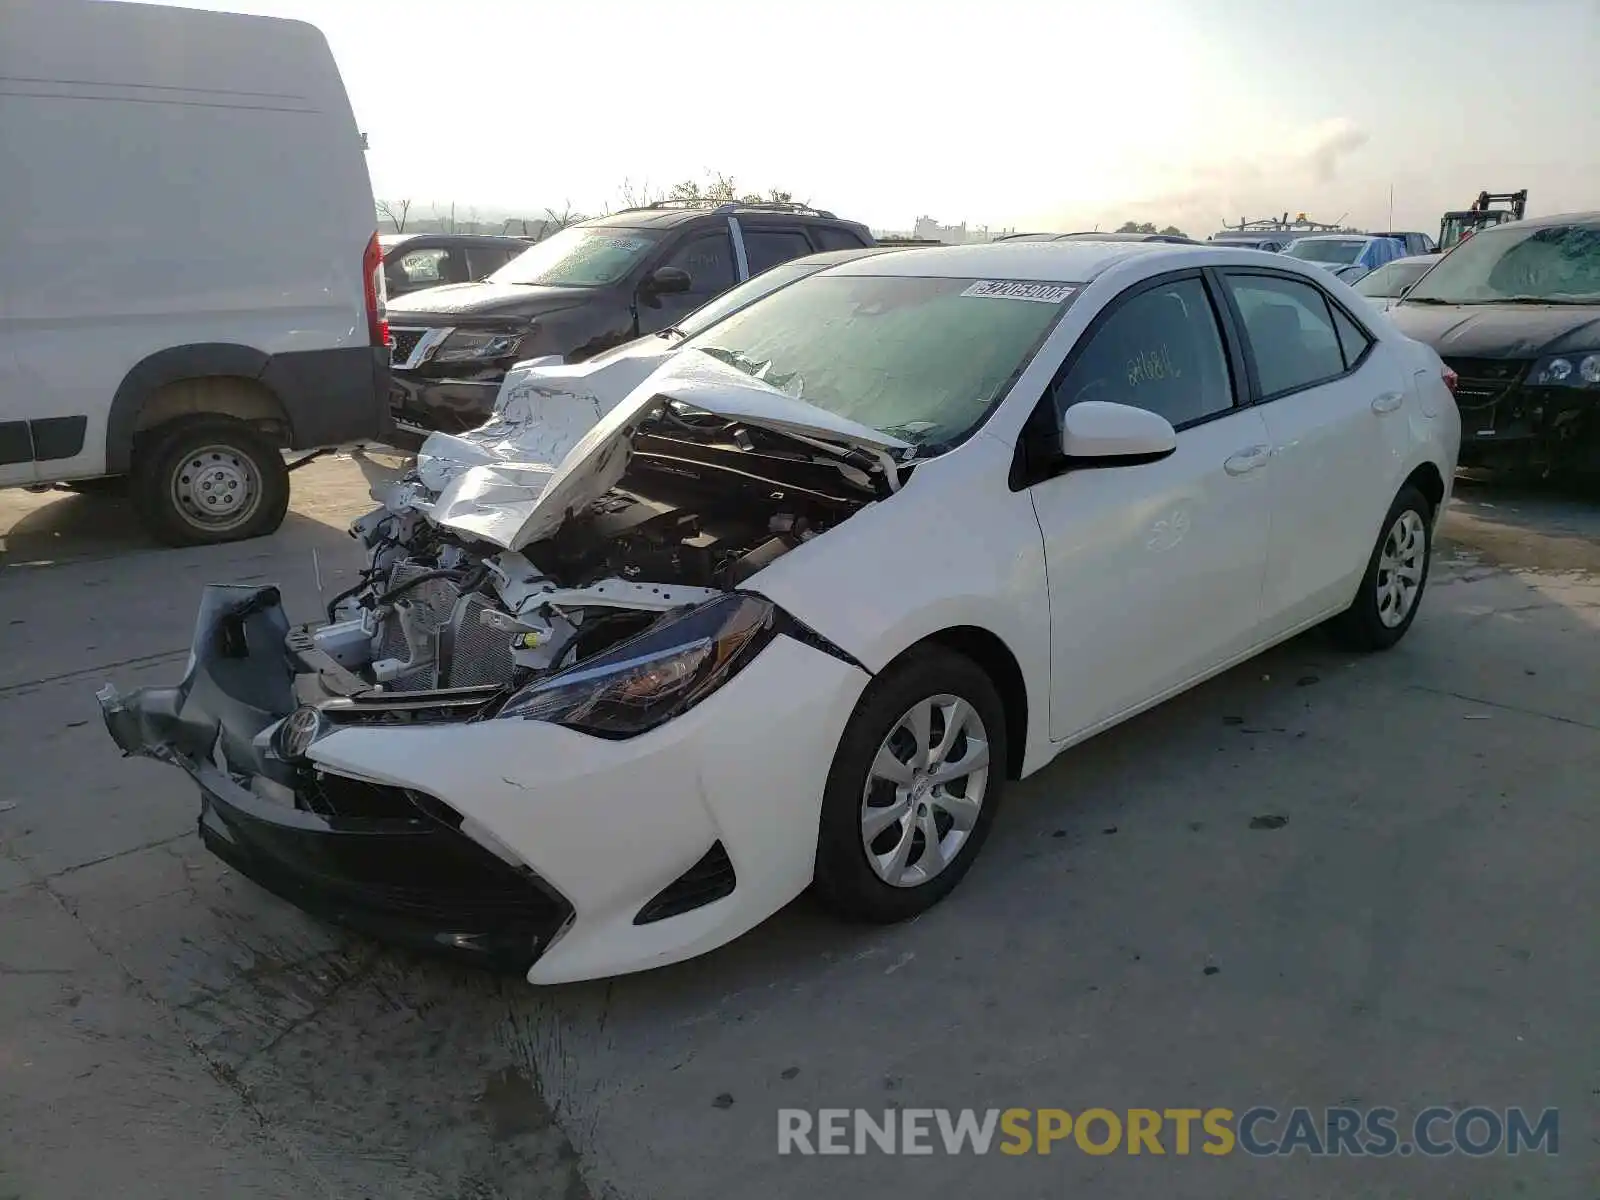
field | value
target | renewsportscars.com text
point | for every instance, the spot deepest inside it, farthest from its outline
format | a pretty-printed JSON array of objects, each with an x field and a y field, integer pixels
[{"x": 1258, "y": 1132}]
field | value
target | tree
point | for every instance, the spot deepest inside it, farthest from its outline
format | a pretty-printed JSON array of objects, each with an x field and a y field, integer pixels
[
  {"x": 640, "y": 195},
  {"x": 395, "y": 211},
  {"x": 1149, "y": 227},
  {"x": 557, "y": 221},
  {"x": 723, "y": 189}
]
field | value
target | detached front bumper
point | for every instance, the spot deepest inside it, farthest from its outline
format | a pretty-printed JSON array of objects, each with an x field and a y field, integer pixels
[
  {"x": 386, "y": 861},
  {"x": 512, "y": 843}
]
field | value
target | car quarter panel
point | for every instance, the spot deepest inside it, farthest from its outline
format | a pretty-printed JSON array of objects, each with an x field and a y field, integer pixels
[
  {"x": 956, "y": 547},
  {"x": 609, "y": 824}
]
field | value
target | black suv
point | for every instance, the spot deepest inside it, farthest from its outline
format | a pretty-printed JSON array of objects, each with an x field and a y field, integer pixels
[
  {"x": 584, "y": 290},
  {"x": 413, "y": 261}
]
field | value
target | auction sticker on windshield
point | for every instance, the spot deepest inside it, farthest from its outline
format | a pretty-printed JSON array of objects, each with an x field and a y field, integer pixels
[{"x": 1000, "y": 289}]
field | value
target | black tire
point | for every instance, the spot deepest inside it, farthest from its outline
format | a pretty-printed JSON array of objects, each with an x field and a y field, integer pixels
[
  {"x": 844, "y": 881},
  {"x": 1362, "y": 626},
  {"x": 225, "y": 446}
]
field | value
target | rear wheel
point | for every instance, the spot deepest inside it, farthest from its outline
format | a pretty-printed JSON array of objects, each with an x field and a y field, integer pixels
[
  {"x": 913, "y": 789},
  {"x": 201, "y": 480},
  {"x": 1391, "y": 590}
]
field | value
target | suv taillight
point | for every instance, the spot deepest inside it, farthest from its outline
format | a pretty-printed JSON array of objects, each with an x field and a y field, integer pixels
[
  {"x": 377, "y": 296},
  {"x": 1451, "y": 379}
]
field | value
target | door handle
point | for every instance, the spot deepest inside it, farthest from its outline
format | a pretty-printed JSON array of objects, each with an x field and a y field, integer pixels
[
  {"x": 1387, "y": 402},
  {"x": 1247, "y": 460}
]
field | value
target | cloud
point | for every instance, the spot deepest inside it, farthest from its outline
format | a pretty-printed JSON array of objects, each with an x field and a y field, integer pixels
[
  {"x": 1301, "y": 170},
  {"x": 1321, "y": 148}
]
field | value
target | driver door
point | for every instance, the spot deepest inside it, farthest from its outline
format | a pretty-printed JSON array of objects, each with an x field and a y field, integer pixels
[
  {"x": 706, "y": 254},
  {"x": 1155, "y": 570}
]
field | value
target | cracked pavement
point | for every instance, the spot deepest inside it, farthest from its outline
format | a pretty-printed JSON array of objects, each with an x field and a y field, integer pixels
[{"x": 1318, "y": 879}]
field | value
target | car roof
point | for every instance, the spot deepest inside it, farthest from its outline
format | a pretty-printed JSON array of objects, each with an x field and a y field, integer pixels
[
  {"x": 666, "y": 215},
  {"x": 1063, "y": 262},
  {"x": 1545, "y": 222}
]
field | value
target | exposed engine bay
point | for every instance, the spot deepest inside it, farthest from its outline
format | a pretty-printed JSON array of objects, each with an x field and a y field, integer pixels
[{"x": 701, "y": 506}]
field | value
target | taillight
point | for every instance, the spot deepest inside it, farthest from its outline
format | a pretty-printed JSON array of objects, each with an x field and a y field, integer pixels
[
  {"x": 1450, "y": 379},
  {"x": 377, "y": 293}
]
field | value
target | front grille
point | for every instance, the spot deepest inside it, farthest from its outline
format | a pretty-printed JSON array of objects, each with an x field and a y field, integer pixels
[
  {"x": 710, "y": 879},
  {"x": 1471, "y": 396},
  {"x": 402, "y": 342},
  {"x": 1489, "y": 370}
]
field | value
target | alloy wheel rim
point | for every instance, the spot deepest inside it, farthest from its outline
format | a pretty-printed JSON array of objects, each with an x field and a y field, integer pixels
[
  {"x": 216, "y": 488},
  {"x": 1400, "y": 566},
  {"x": 924, "y": 791}
]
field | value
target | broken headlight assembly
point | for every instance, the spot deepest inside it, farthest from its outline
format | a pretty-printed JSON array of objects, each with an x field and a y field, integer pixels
[
  {"x": 1580, "y": 370},
  {"x": 464, "y": 345},
  {"x": 656, "y": 675}
]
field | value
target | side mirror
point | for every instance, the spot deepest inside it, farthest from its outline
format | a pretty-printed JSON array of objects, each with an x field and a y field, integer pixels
[
  {"x": 1105, "y": 434},
  {"x": 666, "y": 281}
]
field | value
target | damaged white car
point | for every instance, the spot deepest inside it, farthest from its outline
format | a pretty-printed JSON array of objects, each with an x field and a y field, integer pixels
[{"x": 793, "y": 612}]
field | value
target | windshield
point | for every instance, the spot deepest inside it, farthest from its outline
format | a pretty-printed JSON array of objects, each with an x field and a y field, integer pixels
[
  {"x": 923, "y": 359},
  {"x": 578, "y": 257},
  {"x": 1393, "y": 278},
  {"x": 1340, "y": 250},
  {"x": 746, "y": 293},
  {"x": 1556, "y": 264}
]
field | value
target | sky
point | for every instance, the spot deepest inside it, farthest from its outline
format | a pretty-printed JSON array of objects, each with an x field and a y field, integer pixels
[{"x": 1057, "y": 114}]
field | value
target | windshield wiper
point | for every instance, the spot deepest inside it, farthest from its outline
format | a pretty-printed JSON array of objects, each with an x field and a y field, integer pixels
[
  {"x": 1544, "y": 300},
  {"x": 1430, "y": 300},
  {"x": 671, "y": 331}
]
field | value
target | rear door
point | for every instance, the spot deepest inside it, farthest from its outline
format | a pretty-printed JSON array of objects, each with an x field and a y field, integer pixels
[
  {"x": 767, "y": 246},
  {"x": 1335, "y": 405}
]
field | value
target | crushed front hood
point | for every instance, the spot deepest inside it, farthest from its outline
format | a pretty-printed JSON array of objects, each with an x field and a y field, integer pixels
[{"x": 562, "y": 436}]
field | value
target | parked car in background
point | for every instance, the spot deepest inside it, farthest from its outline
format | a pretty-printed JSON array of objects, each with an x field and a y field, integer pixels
[
  {"x": 1414, "y": 242},
  {"x": 1271, "y": 242},
  {"x": 1515, "y": 312},
  {"x": 563, "y": 401},
  {"x": 1388, "y": 283},
  {"x": 413, "y": 261},
  {"x": 191, "y": 279},
  {"x": 796, "y": 611},
  {"x": 1348, "y": 256},
  {"x": 585, "y": 290},
  {"x": 1176, "y": 238}
]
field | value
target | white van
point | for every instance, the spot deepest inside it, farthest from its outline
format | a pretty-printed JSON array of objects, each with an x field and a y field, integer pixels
[{"x": 190, "y": 274}]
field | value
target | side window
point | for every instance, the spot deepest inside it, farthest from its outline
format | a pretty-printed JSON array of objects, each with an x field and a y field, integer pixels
[
  {"x": 1159, "y": 350},
  {"x": 424, "y": 268},
  {"x": 829, "y": 238},
  {"x": 765, "y": 248},
  {"x": 1290, "y": 331},
  {"x": 1353, "y": 340},
  {"x": 484, "y": 261},
  {"x": 708, "y": 258}
]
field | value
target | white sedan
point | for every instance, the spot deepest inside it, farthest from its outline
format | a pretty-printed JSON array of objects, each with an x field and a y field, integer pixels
[{"x": 794, "y": 612}]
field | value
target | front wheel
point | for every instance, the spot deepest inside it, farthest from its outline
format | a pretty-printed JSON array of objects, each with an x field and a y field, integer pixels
[
  {"x": 202, "y": 480},
  {"x": 913, "y": 789},
  {"x": 1391, "y": 590}
]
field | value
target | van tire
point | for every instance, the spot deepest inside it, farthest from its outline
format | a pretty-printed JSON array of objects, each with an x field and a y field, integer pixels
[{"x": 196, "y": 461}]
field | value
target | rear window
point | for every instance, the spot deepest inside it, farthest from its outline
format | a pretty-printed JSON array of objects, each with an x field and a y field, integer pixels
[{"x": 832, "y": 238}]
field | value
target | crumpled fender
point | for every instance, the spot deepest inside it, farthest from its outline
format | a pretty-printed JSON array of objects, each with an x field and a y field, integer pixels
[{"x": 239, "y": 680}]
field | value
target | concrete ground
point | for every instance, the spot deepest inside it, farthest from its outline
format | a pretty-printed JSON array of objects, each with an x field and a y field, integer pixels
[{"x": 1319, "y": 880}]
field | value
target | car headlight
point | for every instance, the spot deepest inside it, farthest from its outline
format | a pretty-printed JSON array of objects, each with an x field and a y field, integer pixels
[
  {"x": 466, "y": 346},
  {"x": 656, "y": 675},
  {"x": 1567, "y": 370}
]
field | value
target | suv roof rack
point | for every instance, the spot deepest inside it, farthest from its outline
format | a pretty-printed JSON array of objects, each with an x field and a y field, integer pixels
[{"x": 729, "y": 206}]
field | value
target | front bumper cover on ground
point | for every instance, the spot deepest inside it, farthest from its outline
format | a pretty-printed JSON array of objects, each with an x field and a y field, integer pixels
[{"x": 386, "y": 861}]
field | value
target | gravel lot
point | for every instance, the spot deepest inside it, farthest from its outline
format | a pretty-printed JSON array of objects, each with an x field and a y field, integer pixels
[{"x": 1419, "y": 928}]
